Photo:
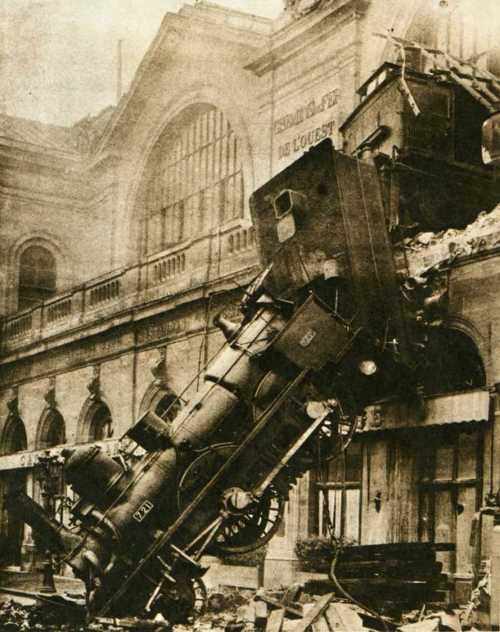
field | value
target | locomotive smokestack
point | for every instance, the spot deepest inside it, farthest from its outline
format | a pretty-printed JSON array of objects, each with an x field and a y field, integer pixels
[{"x": 54, "y": 536}]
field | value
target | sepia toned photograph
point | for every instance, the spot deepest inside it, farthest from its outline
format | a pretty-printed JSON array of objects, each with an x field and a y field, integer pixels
[{"x": 249, "y": 315}]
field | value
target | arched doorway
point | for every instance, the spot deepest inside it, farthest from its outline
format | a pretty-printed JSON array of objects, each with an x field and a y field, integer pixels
[{"x": 11, "y": 528}]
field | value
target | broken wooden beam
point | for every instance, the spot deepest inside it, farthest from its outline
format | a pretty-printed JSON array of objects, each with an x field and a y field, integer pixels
[
  {"x": 275, "y": 620},
  {"x": 314, "y": 614},
  {"x": 294, "y": 611}
]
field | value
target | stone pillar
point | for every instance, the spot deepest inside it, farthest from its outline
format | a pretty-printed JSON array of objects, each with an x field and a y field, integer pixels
[
  {"x": 281, "y": 565},
  {"x": 29, "y": 554}
]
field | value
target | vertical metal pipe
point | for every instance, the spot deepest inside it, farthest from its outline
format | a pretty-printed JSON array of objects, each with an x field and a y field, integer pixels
[{"x": 119, "y": 72}]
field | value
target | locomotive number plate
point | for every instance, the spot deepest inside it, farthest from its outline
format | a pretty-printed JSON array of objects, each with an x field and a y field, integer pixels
[
  {"x": 307, "y": 338},
  {"x": 143, "y": 511}
]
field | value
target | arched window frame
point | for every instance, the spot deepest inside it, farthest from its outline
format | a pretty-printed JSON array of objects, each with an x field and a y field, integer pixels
[
  {"x": 159, "y": 399},
  {"x": 48, "y": 421},
  {"x": 66, "y": 275},
  {"x": 36, "y": 283},
  {"x": 14, "y": 425},
  {"x": 86, "y": 431},
  {"x": 195, "y": 166}
]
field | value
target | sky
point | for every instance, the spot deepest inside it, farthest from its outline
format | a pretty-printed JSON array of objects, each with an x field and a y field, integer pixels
[{"x": 58, "y": 57}]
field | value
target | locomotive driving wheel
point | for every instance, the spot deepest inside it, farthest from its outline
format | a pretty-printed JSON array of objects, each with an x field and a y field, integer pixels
[
  {"x": 251, "y": 526},
  {"x": 187, "y": 598},
  {"x": 246, "y": 522}
]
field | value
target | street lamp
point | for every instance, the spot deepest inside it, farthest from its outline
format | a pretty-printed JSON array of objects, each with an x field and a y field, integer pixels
[{"x": 50, "y": 474}]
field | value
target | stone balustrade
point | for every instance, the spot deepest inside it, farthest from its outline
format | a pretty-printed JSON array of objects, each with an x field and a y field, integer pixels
[
  {"x": 167, "y": 267},
  {"x": 161, "y": 275},
  {"x": 58, "y": 309},
  {"x": 241, "y": 240}
]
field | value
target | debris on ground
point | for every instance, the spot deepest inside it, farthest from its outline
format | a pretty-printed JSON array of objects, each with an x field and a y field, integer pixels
[{"x": 292, "y": 609}]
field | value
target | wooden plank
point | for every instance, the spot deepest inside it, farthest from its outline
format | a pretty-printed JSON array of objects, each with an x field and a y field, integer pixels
[
  {"x": 291, "y": 610},
  {"x": 333, "y": 620},
  {"x": 405, "y": 550},
  {"x": 292, "y": 594},
  {"x": 316, "y": 611},
  {"x": 321, "y": 625},
  {"x": 415, "y": 569},
  {"x": 344, "y": 617},
  {"x": 275, "y": 620}
]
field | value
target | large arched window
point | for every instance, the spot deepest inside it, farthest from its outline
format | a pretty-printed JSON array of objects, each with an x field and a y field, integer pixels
[
  {"x": 193, "y": 179},
  {"x": 101, "y": 423},
  {"x": 52, "y": 430},
  {"x": 37, "y": 276}
]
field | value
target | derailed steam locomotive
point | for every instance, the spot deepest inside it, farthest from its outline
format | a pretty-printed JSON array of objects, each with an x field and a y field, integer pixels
[{"x": 323, "y": 335}]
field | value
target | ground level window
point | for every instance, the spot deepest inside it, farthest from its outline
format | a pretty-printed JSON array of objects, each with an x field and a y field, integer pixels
[
  {"x": 339, "y": 495},
  {"x": 450, "y": 491}
]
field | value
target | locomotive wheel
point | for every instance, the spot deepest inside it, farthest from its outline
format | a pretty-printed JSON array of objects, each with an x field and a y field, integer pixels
[
  {"x": 251, "y": 528},
  {"x": 243, "y": 530},
  {"x": 186, "y": 599}
]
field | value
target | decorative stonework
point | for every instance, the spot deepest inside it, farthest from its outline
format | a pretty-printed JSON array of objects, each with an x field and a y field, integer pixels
[
  {"x": 94, "y": 386},
  {"x": 158, "y": 367},
  {"x": 298, "y": 8},
  {"x": 50, "y": 394},
  {"x": 13, "y": 402}
]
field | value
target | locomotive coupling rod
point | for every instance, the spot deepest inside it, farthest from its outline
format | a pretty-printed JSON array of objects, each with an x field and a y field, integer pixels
[
  {"x": 261, "y": 488},
  {"x": 262, "y": 422}
]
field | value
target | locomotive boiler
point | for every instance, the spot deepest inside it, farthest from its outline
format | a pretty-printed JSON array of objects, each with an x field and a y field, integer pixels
[{"x": 323, "y": 335}]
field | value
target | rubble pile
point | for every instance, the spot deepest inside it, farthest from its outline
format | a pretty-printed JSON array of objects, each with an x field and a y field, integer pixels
[
  {"x": 429, "y": 249},
  {"x": 17, "y": 617},
  {"x": 233, "y": 610}
]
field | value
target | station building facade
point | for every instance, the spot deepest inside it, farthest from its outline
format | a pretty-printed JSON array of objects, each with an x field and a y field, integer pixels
[{"x": 125, "y": 234}]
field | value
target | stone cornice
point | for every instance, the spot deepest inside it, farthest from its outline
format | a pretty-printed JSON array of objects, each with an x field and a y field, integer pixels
[
  {"x": 188, "y": 23},
  {"x": 301, "y": 34}
]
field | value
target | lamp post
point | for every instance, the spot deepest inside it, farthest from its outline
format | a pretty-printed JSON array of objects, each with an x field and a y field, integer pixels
[{"x": 50, "y": 472}]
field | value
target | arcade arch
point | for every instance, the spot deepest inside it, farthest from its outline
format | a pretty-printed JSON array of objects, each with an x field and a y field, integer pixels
[{"x": 13, "y": 439}]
